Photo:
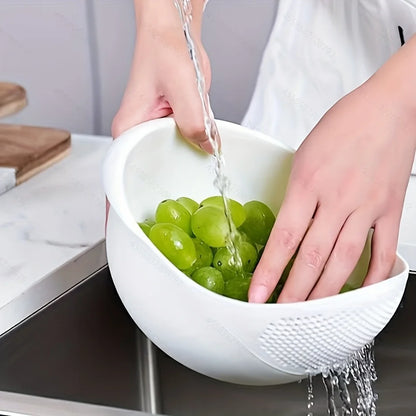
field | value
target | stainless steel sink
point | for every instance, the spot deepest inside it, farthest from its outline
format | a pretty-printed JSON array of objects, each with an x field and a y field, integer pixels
[{"x": 83, "y": 347}]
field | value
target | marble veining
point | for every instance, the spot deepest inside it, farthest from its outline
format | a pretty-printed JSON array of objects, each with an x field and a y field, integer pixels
[{"x": 53, "y": 217}]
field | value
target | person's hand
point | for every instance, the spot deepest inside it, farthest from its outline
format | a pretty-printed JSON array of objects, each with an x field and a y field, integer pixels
[
  {"x": 162, "y": 79},
  {"x": 349, "y": 174}
]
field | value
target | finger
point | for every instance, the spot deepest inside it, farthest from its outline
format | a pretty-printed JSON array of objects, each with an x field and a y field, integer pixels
[
  {"x": 383, "y": 249},
  {"x": 313, "y": 253},
  {"x": 344, "y": 256},
  {"x": 187, "y": 107},
  {"x": 290, "y": 226}
]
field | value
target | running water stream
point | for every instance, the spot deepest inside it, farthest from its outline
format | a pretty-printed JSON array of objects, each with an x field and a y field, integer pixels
[
  {"x": 360, "y": 368},
  {"x": 221, "y": 181}
]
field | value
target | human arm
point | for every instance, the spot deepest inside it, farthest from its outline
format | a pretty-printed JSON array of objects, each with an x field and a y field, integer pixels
[{"x": 349, "y": 174}]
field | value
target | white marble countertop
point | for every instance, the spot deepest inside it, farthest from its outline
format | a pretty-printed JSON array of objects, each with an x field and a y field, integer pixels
[{"x": 52, "y": 218}]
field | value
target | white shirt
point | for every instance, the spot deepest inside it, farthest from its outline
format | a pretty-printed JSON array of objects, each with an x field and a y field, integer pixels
[{"x": 318, "y": 51}]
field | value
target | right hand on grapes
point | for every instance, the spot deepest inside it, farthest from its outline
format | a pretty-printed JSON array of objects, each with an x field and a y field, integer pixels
[
  {"x": 348, "y": 176},
  {"x": 162, "y": 79}
]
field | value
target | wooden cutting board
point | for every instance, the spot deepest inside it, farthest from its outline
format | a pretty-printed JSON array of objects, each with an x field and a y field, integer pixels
[
  {"x": 12, "y": 98},
  {"x": 26, "y": 150}
]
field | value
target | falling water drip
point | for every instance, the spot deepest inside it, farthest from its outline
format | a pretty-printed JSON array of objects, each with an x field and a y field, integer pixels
[
  {"x": 331, "y": 382},
  {"x": 360, "y": 368},
  {"x": 344, "y": 394},
  {"x": 310, "y": 395}
]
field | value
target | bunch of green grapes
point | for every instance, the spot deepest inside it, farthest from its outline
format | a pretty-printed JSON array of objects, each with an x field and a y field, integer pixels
[{"x": 195, "y": 237}]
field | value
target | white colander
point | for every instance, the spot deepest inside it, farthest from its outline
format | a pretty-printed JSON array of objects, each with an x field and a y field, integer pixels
[{"x": 224, "y": 338}]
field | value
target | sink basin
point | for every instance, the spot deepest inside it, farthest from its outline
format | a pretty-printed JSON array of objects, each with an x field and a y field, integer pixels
[{"x": 83, "y": 347}]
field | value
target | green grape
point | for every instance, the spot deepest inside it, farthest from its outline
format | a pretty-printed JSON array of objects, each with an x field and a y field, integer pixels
[
  {"x": 225, "y": 262},
  {"x": 174, "y": 243},
  {"x": 170, "y": 211},
  {"x": 244, "y": 237},
  {"x": 248, "y": 255},
  {"x": 261, "y": 251},
  {"x": 146, "y": 225},
  {"x": 210, "y": 225},
  {"x": 210, "y": 278},
  {"x": 204, "y": 256},
  {"x": 188, "y": 203},
  {"x": 347, "y": 288},
  {"x": 259, "y": 221},
  {"x": 194, "y": 238},
  {"x": 237, "y": 211},
  {"x": 237, "y": 288}
]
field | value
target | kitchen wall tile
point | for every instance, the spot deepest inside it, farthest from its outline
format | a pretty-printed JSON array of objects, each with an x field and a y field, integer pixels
[
  {"x": 112, "y": 48},
  {"x": 235, "y": 33},
  {"x": 44, "y": 46},
  {"x": 73, "y": 57}
]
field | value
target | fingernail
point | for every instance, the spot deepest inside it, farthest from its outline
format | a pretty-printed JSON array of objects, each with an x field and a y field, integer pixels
[{"x": 258, "y": 294}]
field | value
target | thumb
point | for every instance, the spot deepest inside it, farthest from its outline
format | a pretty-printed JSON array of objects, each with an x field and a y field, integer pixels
[{"x": 186, "y": 103}]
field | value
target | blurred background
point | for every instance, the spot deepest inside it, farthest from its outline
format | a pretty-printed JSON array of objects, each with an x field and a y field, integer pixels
[{"x": 73, "y": 57}]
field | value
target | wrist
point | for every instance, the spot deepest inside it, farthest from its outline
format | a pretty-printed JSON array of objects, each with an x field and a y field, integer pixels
[
  {"x": 393, "y": 86},
  {"x": 397, "y": 78}
]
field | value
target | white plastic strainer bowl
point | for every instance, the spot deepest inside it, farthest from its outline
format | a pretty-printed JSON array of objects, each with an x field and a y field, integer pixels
[{"x": 224, "y": 338}]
